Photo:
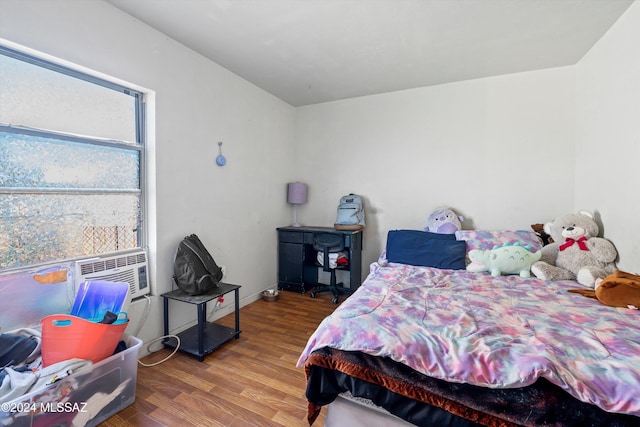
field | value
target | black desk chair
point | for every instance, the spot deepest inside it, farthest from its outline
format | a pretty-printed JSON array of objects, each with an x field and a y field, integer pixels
[{"x": 329, "y": 243}]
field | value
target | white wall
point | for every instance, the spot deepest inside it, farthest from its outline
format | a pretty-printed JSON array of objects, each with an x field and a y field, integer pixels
[
  {"x": 571, "y": 135},
  {"x": 481, "y": 147},
  {"x": 501, "y": 150},
  {"x": 234, "y": 209},
  {"x": 608, "y": 135}
]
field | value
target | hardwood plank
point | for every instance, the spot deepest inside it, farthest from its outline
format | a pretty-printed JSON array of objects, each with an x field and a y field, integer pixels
[{"x": 250, "y": 381}]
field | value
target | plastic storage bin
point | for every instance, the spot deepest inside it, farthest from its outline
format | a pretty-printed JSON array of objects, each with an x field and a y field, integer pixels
[{"x": 86, "y": 398}]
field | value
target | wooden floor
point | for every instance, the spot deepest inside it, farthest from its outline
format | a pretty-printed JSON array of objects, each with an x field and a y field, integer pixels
[{"x": 251, "y": 381}]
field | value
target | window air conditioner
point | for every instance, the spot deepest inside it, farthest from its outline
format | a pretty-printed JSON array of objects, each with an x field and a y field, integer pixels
[{"x": 128, "y": 267}]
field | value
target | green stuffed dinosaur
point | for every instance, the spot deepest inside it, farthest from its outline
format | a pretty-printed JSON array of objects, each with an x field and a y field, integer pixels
[{"x": 506, "y": 259}]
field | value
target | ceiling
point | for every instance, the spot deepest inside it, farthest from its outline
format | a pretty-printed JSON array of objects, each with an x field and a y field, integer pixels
[{"x": 310, "y": 51}]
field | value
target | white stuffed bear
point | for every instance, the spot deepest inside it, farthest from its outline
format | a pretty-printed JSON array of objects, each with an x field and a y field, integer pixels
[{"x": 577, "y": 252}]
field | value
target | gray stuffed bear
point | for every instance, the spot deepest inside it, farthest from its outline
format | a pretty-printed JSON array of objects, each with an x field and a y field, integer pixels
[{"x": 577, "y": 252}]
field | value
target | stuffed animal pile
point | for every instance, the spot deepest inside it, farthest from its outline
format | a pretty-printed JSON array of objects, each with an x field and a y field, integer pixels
[{"x": 577, "y": 253}]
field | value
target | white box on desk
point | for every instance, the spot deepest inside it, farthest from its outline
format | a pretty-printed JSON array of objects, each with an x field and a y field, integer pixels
[{"x": 85, "y": 398}]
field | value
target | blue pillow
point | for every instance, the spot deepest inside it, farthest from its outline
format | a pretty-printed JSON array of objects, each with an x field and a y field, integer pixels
[{"x": 426, "y": 249}]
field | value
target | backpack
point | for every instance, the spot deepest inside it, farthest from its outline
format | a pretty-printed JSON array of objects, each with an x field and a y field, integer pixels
[
  {"x": 194, "y": 270},
  {"x": 350, "y": 213}
]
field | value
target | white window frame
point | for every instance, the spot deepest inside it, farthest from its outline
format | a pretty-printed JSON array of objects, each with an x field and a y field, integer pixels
[{"x": 140, "y": 144}]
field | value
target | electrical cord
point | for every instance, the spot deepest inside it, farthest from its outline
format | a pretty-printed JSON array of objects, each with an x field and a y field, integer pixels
[
  {"x": 153, "y": 341},
  {"x": 217, "y": 305},
  {"x": 144, "y": 316}
]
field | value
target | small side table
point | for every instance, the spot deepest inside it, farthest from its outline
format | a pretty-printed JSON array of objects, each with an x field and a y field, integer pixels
[{"x": 204, "y": 337}]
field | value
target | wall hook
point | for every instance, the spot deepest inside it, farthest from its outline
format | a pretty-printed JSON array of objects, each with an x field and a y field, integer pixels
[{"x": 220, "y": 160}]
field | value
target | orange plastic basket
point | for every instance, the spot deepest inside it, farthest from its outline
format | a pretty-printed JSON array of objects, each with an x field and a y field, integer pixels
[{"x": 66, "y": 337}]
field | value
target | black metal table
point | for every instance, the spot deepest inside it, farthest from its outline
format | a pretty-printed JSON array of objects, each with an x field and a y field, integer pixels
[{"x": 204, "y": 337}]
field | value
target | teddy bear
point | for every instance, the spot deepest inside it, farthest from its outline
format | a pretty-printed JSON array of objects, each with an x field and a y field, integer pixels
[{"x": 577, "y": 253}]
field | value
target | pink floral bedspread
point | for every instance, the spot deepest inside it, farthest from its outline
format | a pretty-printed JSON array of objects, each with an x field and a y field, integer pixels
[{"x": 498, "y": 332}]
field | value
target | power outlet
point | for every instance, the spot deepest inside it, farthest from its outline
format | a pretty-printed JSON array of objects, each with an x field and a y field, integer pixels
[{"x": 224, "y": 270}]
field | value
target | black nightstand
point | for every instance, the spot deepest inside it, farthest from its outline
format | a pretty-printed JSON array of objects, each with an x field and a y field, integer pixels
[{"x": 204, "y": 337}]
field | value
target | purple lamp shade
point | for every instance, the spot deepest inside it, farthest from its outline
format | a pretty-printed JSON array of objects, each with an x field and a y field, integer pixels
[{"x": 297, "y": 193}]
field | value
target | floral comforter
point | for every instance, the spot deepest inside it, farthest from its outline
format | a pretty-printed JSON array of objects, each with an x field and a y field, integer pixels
[{"x": 497, "y": 332}]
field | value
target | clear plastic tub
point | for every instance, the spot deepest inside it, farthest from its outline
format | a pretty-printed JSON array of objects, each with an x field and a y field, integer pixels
[{"x": 85, "y": 398}]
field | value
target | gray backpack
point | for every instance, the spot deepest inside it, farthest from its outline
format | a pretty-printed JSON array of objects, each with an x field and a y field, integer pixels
[{"x": 350, "y": 213}]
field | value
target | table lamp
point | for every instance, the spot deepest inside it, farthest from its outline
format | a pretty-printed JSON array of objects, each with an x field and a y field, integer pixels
[{"x": 296, "y": 195}]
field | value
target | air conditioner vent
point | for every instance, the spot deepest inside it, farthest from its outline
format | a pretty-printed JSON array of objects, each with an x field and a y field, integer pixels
[{"x": 130, "y": 268}]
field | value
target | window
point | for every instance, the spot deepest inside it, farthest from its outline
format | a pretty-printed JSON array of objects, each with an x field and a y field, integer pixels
[{"x": 71, "y": 163}]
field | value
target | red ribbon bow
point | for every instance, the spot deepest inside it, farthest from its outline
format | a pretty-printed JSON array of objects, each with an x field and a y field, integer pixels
[{"x": 569, "y": 241}]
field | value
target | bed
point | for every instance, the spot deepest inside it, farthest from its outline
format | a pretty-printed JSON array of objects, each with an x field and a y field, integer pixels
[{"x": 442, "y": 346}]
